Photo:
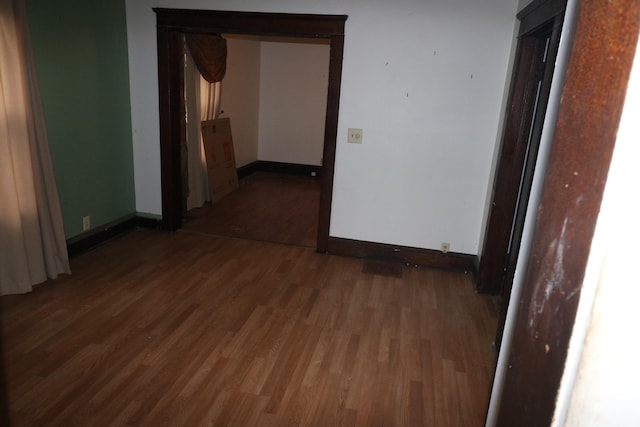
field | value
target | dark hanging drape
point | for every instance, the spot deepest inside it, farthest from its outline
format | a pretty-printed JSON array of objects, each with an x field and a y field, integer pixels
[{"x": 209, "y": 52}]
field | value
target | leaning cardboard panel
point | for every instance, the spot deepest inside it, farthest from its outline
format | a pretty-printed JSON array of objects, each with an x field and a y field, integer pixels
[{"x": 221, "y": 161}]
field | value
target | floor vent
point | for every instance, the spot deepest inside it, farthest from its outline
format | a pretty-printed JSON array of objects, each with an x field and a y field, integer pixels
[{"x": 383, "y": 269}]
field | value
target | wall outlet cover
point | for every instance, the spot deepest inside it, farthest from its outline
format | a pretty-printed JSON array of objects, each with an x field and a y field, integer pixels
[{"x": 354, "y": 136}]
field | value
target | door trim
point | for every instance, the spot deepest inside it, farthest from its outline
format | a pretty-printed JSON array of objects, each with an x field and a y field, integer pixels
[
  {"x": 517, "y": 157},
  {"x": 593, "y": 94},
  {"x": 171, "y": 23}
]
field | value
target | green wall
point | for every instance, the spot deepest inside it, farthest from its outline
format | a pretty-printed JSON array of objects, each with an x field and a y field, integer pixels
[{"x": 80, "y": 50}]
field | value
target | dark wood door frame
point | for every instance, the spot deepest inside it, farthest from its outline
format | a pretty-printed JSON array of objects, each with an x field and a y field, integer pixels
[
  {"x": 593, "y": 93},
  {"x": 538, "y": 39},
  {"x": 171, "y": 24}
]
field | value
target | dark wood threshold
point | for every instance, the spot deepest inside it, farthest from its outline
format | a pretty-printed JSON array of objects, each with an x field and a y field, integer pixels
[
  {"x": 404, "y": 254},
  {"x": 278, "y": 167},
  {"x": 85, "y": 241}
]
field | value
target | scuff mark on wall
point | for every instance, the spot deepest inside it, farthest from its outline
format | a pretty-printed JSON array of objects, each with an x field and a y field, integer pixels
[{"x": 553, "y": 264}]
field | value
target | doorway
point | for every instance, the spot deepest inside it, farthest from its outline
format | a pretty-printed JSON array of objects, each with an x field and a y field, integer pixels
[
  {"x": 274, "y": 93},
  {"x": 171, "y": 24},
  {"x": 538, "y": 40}
]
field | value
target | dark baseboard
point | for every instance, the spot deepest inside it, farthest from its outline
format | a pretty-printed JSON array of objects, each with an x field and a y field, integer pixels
[
  {"x": 85, "y": 241},
  {"x": 147, "y": 222},
  {"x": 404, "y": 254},
  {"x": 475, "y": 270},
  {"x": 336, "y": 246},
  {"x": 248, "y": 169},
  {"x": 278, "y": 167}
]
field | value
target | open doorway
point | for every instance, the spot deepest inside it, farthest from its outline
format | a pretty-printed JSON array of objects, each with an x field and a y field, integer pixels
[
  {"x": 171, "y": 24},
  {"x": 274, "y": 93}
]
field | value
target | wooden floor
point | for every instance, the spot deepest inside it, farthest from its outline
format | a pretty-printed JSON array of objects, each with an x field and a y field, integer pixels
[
  {"x": 271, "y": 207},
  {"x": 181, "y": 328}
]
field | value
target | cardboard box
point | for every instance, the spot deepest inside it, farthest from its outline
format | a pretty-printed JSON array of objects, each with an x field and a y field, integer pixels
[{"x": 221, "y": 160}]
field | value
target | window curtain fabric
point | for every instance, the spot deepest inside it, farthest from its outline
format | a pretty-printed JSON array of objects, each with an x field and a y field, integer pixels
[
  {"x": 202, "y": 101},
  {"x": 198, "y": 183},
  {"x": 32, "y": 243},
  {"x": 209, "y": 52},
  {"x": 210, "y": 94}
]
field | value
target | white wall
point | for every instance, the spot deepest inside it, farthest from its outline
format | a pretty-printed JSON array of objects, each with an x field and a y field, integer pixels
[
  {"x": 240, "y": 98},
  {"x": 293, "y": 101},
  {"x": 423, "y": 78},
  {"x": 275, "y": 94},
  {"x": 523, "y": 3}
]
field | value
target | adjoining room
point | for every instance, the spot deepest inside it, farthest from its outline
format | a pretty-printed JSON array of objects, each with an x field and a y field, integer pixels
[{"x": 274, "y": 94}]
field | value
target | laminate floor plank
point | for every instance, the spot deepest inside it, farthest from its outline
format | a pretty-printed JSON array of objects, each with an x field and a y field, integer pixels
[
  {"x": 267, "y": 206},
  {"x": 184, "y": 328}
]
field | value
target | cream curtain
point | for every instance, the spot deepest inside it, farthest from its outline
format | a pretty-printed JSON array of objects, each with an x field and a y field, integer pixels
[
  {"x": 202, "y": 101},
  {"x": 210, "y": 94},
  {"x": 32, "y": 243},
  {"x": 198, "y": 184}
]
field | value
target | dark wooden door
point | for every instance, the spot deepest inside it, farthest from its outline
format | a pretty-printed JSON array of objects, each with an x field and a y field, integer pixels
[{"x": 528, "y": 97}]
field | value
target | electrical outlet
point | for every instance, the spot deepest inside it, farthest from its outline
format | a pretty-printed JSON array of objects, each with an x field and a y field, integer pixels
[
  {"x": 444, "y": 247},
  {"x": 86, "y": 223},
  {"x": 354, "y": 136}
]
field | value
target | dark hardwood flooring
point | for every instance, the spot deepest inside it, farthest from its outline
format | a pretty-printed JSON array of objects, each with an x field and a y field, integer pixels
[
  {"x": 187, "y": 329},
  {"x": 268, "y": 206}
]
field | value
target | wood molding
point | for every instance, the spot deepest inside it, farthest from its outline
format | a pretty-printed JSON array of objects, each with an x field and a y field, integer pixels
[
  {"x": 518, "y": 150},
  {"x": 282, "y": 24},
  {"x": 248, "y": 169},
  {"x": 537, "y": 13},
  {"x": 172, "y": 23},
  {"x": 593, "y": 96},
  {"x": 279, "y": 167},
  {"x": 330, "y": 138},
  {"x": 336, "y": 246},
  {"x": 85, "y": 241},
  {"x": 148, "y": 222},
  {"x": 403, "y": 254}
]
